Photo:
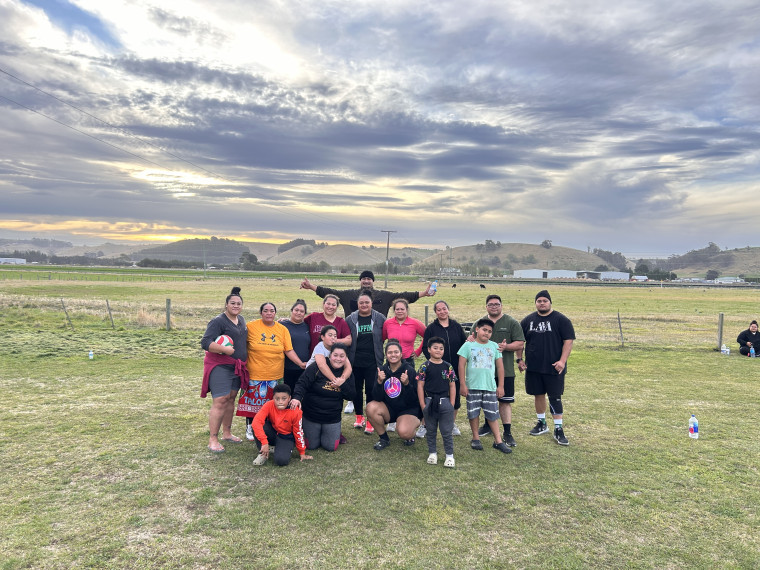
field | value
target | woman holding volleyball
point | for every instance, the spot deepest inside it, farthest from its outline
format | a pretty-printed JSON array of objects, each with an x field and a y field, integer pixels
[{"x": 224, "y": 368}]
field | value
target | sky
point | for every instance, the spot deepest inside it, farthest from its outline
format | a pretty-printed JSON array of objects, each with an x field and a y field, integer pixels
[{"x": 631, "y": 126}]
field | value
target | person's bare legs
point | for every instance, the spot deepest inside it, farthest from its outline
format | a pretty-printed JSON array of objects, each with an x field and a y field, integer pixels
[{"x": 221, "y": 412}]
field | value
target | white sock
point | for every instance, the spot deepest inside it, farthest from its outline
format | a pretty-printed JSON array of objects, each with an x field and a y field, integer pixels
[
  {"x": 558, "y": 423},
  {"x": 541, "y": 417},
  {"x": 449, "y": 456}
]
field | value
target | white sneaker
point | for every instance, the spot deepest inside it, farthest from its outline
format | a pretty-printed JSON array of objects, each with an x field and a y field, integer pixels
[
  {"x": 260, "y": 460},
  {"x": 349, "y": 409},
  {"x": 391, "y": 427},
  {"x": 433, "y": 459},
  {"x": 421, "y": 431},
  {"x": 456, "y": 431},
  {"x": 449, "y": 462},
  {"x": 249, "y": 432}
]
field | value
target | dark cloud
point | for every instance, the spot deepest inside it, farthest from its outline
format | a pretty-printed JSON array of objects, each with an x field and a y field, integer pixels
[{"x": 617, "y": 115}]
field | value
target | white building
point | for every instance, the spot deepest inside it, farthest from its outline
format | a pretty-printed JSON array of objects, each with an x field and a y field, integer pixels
[
  {"x": 562, "y": 274},
  {"x": 530, "y": 274},
  {"x": 12, "y": 261},
  {"x": 614, "y": 276}
]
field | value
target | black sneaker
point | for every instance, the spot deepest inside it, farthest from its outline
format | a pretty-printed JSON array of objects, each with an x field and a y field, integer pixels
[
  {"x": 382, "y": 444},
  {"x": 409, "y": 442},
  {"x": 559, "y": 435},
  {"x": 475, "y": 444},
  {"x": 485, "y": 429},
  {"x": 539, "y": 428},
  {"x": 509, "y": 440},
  {"x": 502, "y": 447}
]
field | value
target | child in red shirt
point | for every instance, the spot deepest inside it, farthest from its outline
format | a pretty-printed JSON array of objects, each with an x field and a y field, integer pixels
[{"x": 278, "y": 424}]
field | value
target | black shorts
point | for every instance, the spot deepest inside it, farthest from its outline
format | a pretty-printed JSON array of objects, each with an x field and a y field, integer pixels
[
  {"x": 509, "y": 390},
  {"x": 536, "y": 384},
  {"x": 416, "y": 412}
]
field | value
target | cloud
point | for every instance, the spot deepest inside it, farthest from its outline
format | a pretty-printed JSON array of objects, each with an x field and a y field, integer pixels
[{"x": 523, "y": 121}]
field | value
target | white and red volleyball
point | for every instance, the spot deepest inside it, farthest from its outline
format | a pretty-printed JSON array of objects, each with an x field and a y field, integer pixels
[{"x": 224, "y": 340}]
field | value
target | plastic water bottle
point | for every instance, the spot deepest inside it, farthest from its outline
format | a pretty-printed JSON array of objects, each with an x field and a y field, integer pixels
[
  {"x": 693, "y": 427},
  {"x": 724, "y": 349},
  {"x": 752, "y": 352},
  {"x": 434, "y": 286},
  {"x": 92, "y": 354}
]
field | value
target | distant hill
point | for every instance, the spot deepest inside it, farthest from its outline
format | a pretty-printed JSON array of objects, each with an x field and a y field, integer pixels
[
  {"x": 507, "y": 257},
  {"x": 48, "y": 246},
  {"x": 696, "y": 263},
  {"x": 215, "y": 251}
]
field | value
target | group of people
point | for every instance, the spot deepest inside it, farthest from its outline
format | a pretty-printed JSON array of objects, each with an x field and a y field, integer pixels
[{"x": 294, "y": 375}]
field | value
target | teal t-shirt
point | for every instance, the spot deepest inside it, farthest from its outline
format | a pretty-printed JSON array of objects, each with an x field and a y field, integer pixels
[{"x": 481, "y": 365}]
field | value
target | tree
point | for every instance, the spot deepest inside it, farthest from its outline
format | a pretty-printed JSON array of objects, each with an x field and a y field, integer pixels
[
  {"x": 712, "y": 274},
  {"x": 248, "y": 260},
  {"x": 641, "y": 268},
  {"x": 547, "y": 243},
  {"x": 602, "y": 268}
]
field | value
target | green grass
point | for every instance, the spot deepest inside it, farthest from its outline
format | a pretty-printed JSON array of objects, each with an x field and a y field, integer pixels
[{"x": 105, "y": 462}]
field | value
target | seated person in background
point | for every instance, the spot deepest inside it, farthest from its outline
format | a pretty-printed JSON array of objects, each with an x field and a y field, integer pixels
[
  {"x": 276, "y": 424},
  {"x": 748, "y": 339}
]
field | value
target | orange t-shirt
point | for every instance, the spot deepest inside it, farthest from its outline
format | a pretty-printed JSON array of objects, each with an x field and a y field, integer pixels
[{"x": 266, "y": 350}]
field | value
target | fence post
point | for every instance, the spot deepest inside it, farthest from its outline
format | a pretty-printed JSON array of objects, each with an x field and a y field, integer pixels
[
  {"x": 168, "y": 314},
  {"x": 426, "y": 314},
  {"x": 620, "y": 326},
  {"x": 720, "y": 330},
  {"x": 108, "y": 306},
  {"x": 66, "y": 313}
]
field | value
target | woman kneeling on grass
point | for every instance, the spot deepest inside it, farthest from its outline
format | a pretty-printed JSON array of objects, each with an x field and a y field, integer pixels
[
  {"x": 395, "y": 398},
  {"x": 224, "y": 370},
  {"x": 321, "y": 397}
]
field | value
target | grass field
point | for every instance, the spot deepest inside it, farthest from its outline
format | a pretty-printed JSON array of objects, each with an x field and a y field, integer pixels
[{"x": 105, "y": 462}]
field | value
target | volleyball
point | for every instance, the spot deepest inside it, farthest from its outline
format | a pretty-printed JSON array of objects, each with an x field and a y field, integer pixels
[{"x": 224, "y": 340}]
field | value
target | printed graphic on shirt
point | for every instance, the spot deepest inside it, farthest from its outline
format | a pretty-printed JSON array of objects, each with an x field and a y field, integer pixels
[
  {"x": 541, "y": 327},
  {"x": 272, "y": 337},
  {"x": 364, "y": 329},
  {"x": 481, "y": 356},
  {"x": 392, "y": 387}
]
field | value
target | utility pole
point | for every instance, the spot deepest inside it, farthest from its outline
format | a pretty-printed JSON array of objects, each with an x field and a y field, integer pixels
[{"x": 387, "y": 251}]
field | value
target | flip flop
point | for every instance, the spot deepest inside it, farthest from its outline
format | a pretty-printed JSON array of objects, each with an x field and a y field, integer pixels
[
  {"x": 233, "y": 439},
  {"x": 212, "y": 450}
]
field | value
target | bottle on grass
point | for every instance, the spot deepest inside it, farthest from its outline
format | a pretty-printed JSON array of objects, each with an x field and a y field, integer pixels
[{"x": 693, "y": 427}]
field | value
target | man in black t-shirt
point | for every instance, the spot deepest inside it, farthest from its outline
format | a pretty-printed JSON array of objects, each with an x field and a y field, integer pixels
[{"x": 549, "y": 339}]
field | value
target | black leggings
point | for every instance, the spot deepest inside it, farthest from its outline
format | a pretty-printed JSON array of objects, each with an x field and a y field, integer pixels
[{"x": 364, "y": 378}]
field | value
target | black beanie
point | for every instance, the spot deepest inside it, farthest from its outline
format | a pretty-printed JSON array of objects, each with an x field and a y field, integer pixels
[
  {"x": 543, "y": 293},
  {"x": 367, "y": 273}
]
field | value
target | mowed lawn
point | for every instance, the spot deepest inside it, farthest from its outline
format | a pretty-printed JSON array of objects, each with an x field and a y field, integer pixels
[{"x": 104, "y": 461}]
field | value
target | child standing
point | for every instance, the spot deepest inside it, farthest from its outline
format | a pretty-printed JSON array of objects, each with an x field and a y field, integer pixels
[
  {"x": 278, "y": 424},
  {"x": 436, "y": 390},
  {"x": 478, "y": 360}
]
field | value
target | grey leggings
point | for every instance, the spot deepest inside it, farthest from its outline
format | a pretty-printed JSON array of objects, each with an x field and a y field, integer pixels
[
  {"x": 317, "y": 435},
  {"x": 443, "y": 419}
]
